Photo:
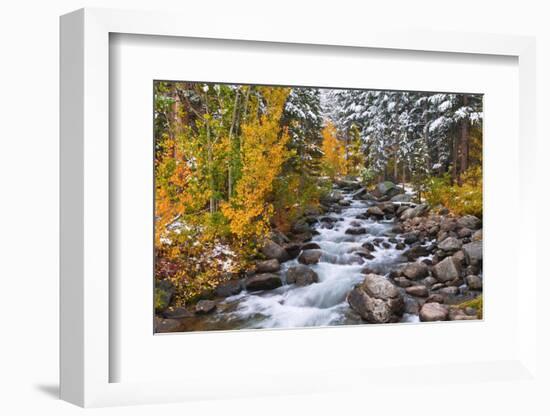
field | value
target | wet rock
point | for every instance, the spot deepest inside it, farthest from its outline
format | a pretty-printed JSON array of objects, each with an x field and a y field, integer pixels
[
  {"x": 344, "y": 203},
  {"x": 356, "y": 231},
  {"x": 268, "y": 266},
  {"x": 411, "y": 238},
  {"x": 474, "y": 282},
  {"x": 473, "y": 252},
  {"x": 433, "y": 311},
  {"x": 311, "y": 246},
  {"x": 377, "y": 300},
  {"x": 205, "y": 306},
  {"x": 230, "y": 288},
  {"x": 178, "y": 313},
  {"x": 263, "y": 281},
  {"x": 386, "y": 245},
  {"x": 438, "y": 286},
  {"x": 364, "y": 253},
  {"x": 469, "y": 221},
  {"x": 415, "y": 271},
  {"x": 446, "y": 270},
  {"x": 272, "y": 250},
  {"x": 301, "y": 275},
  {"x": 278, "y": 237},
  {"x": 450, "y": 244},
  {"x": 417, "y": 290},
  {"x": 293, "y": 250},
  {"x": 400, "y": 246},
  {"x": 310, "y": 256},
  {"x": 369, "y": 246},
  {"x": 411, "y": 305},
  {"x": 329, "y": 219},
  {"x": 429, "y": 281},
  {"x": 347, "y": 184},
  {"x": 386, "y": 187},
  {"x": 310, "y": 220}
]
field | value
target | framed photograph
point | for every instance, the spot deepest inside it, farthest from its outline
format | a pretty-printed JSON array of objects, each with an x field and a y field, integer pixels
[{"x": 287, "y": 211}]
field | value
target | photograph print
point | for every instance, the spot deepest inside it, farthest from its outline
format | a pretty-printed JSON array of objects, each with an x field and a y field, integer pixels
[{"x": 294, "y": 207}]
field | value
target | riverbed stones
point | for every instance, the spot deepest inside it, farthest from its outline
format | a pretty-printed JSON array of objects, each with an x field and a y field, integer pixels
[
  {"x": 205, "y": 306},
  {"x": 168, "y": 325},
  {"x": 263, "y": 281},
  {"x": 272, "y": 250},
  {"x": 377, "y": 300},
  {"x": 310, "y": 256},
  {"x": 446, "y": 270},
  {"x": 401, "y": 198},
  {"x": 411, "y": 237},
  {"x": 268, "y": 266},
  {"x": 450, "y": 244},
  {"x": 415, "y": 271},
  {"x": 300, "y": 227},
  {"x": 417, "y": 290},
  {"x": 473, "y": 252},
  {"x": 435, "y": 298},
  {"x": 474, "y": 282},
  {"x": 469, "y": 221},
  {"x": 433, "y": 311},
  {"x": 301, "y": 275},
  {"x": 417, "y": 211},
  {"x": 356, "y": 231}
]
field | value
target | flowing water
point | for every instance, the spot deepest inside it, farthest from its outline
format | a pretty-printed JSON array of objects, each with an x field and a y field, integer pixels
[{"x": 323, "y": 303}]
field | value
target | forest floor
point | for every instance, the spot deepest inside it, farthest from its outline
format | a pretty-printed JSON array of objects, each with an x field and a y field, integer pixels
[{"x": 361, "y": 257}]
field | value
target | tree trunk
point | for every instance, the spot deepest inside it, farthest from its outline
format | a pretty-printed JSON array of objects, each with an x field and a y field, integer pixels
[
  {"x": 232, "y": 145},
  {"x": 454, "y": 162},
  {"x": 464, "y": 141}
]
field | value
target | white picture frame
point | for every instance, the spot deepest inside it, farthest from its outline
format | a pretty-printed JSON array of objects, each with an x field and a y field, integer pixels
[{"x": 86, "y": 356}]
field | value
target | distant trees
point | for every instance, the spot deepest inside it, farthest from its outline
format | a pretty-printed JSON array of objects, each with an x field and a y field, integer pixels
[{"x": 409, "y": 135}]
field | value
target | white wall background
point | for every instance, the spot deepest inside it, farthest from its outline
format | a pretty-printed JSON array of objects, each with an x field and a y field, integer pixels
[{"x": 29, "y": 56}]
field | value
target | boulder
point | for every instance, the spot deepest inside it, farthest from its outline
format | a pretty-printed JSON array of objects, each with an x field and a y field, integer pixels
[
  {"x": 415, "y": 252},
  {"x": 205, "y": 306},
  {"x": 402, "y": 198},
  {"x": 311, "y": 246},
  {"x": 263, "y": 281},
  {"x": 293, "y": 250},
  {"x": 449, "y": 291},
  {"x": 417, "y": 290},
  {"x": 450, "y": 244},
  {"x": 402, "y": 281},
  {"x": 478, "y": 235},
  {"x": 310, "y": 256},
  {"x": 474, "y": 282},
  {"x": 272, "y": 250},
  {"x": 347, "y": 184},
  {"x": 230, "y": 288},
  {"x": 435, "y": 298},
  {"x": 446, "y": 270},
  {"x": 301, "y": 275},
  {"x": 300, "y": 227},
  {"x": 469, "y": 221},
  {"x": 410, "y": 238},
  {"x": 332, "y": 197},
  {"x": 368, "y": 245},
  {"x": 356, "y": 231},
  {"x": 375, "y": 211},
  {"x": 433, "y": 311},
  {"x": 417, "y": 211},
  {"x": 415, "y": 271},
  {"x": 268, "y": 266},
  {"x": 463, "y": 232},
  {"x": 473, "y": 253},
  {"x": 168, "y": 325},
  {"x": 383, "y": 188},
  {"x": 377, "y": 300}
]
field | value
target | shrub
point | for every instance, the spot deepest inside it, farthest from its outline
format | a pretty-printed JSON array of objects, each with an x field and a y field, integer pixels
[{"x": 460, "y": 200}]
